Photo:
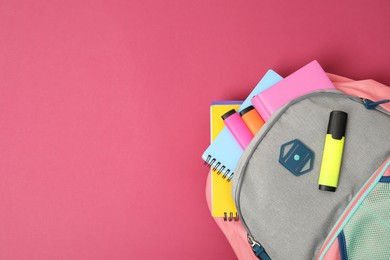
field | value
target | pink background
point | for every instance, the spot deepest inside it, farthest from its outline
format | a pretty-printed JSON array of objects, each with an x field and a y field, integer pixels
[{"x": 104, "y": 112}]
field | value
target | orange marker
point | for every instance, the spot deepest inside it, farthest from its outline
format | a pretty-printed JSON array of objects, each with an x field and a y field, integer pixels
[{"x": 252, "y": 119}]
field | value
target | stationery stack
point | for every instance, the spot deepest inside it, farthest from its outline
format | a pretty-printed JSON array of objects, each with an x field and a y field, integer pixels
[{"x": 233, "y": 125}]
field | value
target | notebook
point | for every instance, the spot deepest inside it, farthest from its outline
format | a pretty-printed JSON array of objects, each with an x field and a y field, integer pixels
[
  {"x": 222, "y": 204},
  {"x": 305, "y": 80},
  {"x": 223, "y": 154}
]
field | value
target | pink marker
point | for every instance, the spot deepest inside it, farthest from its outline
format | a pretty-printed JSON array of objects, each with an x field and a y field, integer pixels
[{"x": 237, "y": 127}]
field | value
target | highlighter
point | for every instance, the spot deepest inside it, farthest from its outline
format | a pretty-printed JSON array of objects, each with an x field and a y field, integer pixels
[
  {"x": 252, "y": 119},
  {"x": 238, "y": 128},
  {"x": 333, "y": 151}
]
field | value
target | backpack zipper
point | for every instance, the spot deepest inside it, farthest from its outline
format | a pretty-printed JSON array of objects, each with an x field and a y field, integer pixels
[
  {"x": 369, "y": 104},
  {"x": 257, "y": 248}
]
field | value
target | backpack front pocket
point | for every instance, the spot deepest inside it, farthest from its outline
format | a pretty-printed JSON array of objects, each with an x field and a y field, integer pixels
[
  {"x": 363, "y": 231},
  {"x": 367, "y": 234}
]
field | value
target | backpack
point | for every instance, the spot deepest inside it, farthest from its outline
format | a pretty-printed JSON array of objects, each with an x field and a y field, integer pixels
[{"x": 282, "y": 209}]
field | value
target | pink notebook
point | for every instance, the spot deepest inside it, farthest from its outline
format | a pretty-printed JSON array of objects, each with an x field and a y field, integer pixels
[{"x": 305, "y": 80}]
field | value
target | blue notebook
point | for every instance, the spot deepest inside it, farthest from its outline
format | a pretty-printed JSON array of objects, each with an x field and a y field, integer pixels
[{"x": 223, "y": 154}]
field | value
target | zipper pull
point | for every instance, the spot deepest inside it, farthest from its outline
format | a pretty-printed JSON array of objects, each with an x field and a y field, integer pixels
[
  {"x": 369, "y": 104},
  {"x": 258, "y": 249}
]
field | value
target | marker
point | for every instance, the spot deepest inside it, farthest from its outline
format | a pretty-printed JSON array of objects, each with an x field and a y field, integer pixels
[
  {"x": 238, "y": 128},
  {"x": 252, "y": 119},
  {"x": 333, "y": 151}
]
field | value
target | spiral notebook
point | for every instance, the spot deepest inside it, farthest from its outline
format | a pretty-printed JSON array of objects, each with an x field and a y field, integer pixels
[
  {"x": 222, "y": 204},
  {"x": 223, "y": 154},
  {"x": 307, "y": 79}
]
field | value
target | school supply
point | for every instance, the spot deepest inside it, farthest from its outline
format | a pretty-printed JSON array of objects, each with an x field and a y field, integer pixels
[
  {"x": 223, "y": 154},
  {"x": 222, "y": 204},
  {"x": 333, "y": 151},
  {"x": 285, "y": 214},
  {"x": 305, "y": 80},
  {"x": 237, "y": 128},
  {"x": 252, "y": 119}
]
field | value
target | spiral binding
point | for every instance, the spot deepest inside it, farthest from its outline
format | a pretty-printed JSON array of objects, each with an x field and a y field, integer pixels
[
  {"x": 230, "y": 218},
  {"x": 210, "y": 161}
]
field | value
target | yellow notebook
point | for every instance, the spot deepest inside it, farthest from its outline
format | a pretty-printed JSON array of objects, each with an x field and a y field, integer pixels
[{"x": 222, "y": 204}]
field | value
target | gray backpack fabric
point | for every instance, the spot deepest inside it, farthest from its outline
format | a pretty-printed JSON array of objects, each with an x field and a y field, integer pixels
[{"x": 286, "y": 213}]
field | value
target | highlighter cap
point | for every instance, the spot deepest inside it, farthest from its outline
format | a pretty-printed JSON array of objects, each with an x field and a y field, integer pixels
[
  {"x": 246, "y": 110},
  {"x": 337, "y": 124},
  {"x": 327, "y": 188},
  {"x": 228, "y": 113}
]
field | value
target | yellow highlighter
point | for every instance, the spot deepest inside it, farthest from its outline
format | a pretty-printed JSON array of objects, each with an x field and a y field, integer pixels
[{"x": 333, "y": 151}]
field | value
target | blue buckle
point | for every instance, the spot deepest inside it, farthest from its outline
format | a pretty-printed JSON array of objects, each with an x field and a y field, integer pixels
[{"x": 296, "y": 157}]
